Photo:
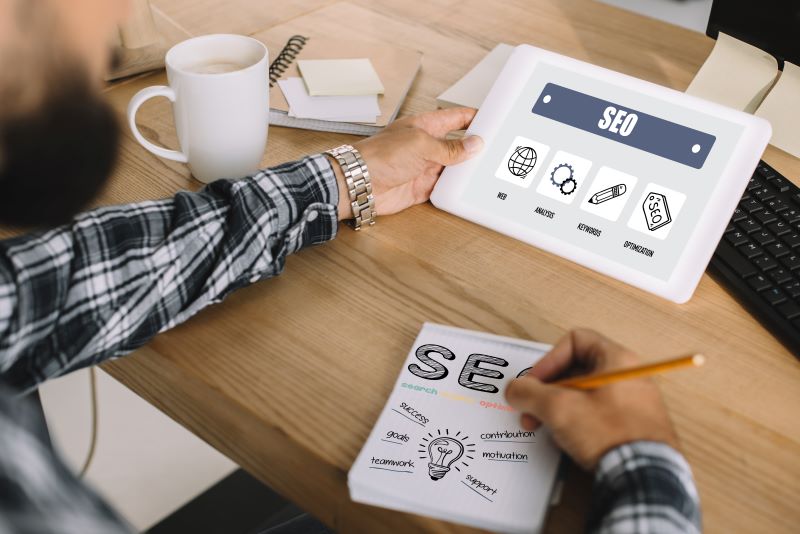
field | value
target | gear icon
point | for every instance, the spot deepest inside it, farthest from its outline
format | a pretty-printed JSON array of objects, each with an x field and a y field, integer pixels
[
  {"x": 568, "y": 186},
  {"x": 563, "y": 171}
]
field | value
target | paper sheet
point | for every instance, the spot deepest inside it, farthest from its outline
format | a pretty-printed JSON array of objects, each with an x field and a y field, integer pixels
[
  {"x": 782, "y": 109},
  {"x": 447, "y": 445},
  {"x": 736, "y": 75},
  {"x": 330, "y": 108},
  {"x": 340, "y": 77},
  {"x": 473, "y": 87}
]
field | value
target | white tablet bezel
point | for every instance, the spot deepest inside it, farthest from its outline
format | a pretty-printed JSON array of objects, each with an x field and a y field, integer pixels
[{"x": 700, "y": 246}]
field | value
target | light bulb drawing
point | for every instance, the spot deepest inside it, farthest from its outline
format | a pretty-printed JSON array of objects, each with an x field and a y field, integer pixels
[{"x": 444, "y": 452}]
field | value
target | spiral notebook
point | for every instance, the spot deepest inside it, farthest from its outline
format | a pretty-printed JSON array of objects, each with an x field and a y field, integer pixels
[
  {"x": 448, "y": 446},
  {"x": 396, "y": 67}
]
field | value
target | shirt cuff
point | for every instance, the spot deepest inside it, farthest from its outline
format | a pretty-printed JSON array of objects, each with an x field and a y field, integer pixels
[
  {"x": 648, "y": 484},
  {"x": 309, "y": 190}
]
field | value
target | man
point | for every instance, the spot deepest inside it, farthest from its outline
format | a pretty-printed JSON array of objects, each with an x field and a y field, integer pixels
[{"x": 103, "y": 284}]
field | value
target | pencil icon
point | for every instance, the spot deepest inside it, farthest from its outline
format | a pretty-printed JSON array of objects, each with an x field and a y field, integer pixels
[{"x": 608, "y": 193}]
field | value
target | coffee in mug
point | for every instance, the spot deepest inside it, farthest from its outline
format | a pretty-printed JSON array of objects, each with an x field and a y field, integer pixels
[
  {"x": 216, "y": 67},
  {"x": 219, "y": 89}
]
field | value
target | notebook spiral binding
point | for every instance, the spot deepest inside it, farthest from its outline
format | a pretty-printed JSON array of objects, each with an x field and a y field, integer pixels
[{"x": 293, "y": 47}]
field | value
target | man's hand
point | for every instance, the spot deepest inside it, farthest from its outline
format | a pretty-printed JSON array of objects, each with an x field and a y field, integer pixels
[
  {"x": 587, "y": 424},
  {"x": 407, "y": 157}
]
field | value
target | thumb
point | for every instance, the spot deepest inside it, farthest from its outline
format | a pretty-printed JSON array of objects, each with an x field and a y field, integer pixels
[{"x": 453, "y": 151}]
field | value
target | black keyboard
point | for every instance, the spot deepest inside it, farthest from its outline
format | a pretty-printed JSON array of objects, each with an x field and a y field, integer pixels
[{"x": 758, "y": 258}]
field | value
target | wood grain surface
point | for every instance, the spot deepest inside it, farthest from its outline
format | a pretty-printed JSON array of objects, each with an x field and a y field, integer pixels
[{"x": 286, "y": 377}]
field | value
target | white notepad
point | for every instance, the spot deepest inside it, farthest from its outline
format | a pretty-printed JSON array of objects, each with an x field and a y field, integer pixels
[
  {"x": 360, "y": 108},
  {"x": 447, "y": 445}
]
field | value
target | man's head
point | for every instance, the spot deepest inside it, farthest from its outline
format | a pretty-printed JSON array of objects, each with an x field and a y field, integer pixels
[{"x": 58, "y": 137}]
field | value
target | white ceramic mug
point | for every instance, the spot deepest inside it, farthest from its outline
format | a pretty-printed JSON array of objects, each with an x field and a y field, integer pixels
[{"x": 219, "y": 88}]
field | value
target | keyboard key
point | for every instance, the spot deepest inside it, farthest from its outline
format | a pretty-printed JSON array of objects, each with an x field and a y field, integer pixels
[
  {"x": 739, "y": 215},
  {"x": 780, "y": 276},
  {"x": 779, "y": 227},
  {"x": 774, "y": 296},
  {"x": 763, "y": 193},
  {"x": 793, "y": 289},
  {"x": 749, "y": 225},
  {"x": 759, "y": 282},
  {"x": 777, "y": 205},
  {"x": 796, "y": 197},
  {"x": 735, "y": 261},
  {"x": 765, "y": 170},
  {"x": 792, "y": 240},
  {"x": 762, "y": 237},
  {"x": 791, "y": 216},
  {"x": 778, "y": 249},
  {"x": 751, "y": 205},
  {"x": 780, "y": 183},
  {"x": 750, "y": 250},
  {"x": 790, "y": 309},
  {"x": 737, "y": 238},
  {"x": 765, "y": 263},
  {"x": 792, "y": 262},
  {"x": 765, "y": 216},
  {"x": 730, "y": 228},
  {"x": 754, "y": 183}
]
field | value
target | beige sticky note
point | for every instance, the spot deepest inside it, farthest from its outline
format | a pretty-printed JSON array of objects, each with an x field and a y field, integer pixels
[
  {"x": 782, "y": 109},
  {"x": 736, "y": 74},
  {"x": 340, "y": 77}
]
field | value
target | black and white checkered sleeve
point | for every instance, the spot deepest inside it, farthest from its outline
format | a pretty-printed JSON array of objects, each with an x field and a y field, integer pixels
[
  {"x": 107, "y": 283},
  {"x": 644, "y": 487}
]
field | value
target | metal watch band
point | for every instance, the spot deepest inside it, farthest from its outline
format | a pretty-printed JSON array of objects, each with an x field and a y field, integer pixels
[{"x": 359, "y": 187}]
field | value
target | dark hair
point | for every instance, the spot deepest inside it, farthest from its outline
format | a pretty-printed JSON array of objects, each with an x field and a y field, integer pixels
[{"x": 55, "y": 159}]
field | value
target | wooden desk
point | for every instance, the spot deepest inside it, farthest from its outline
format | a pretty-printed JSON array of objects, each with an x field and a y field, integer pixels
[{"x": 287, "y": 379}]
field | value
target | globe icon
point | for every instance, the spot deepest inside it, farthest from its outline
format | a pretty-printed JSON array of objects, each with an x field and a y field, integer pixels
[{"x": 522, "y": 161}]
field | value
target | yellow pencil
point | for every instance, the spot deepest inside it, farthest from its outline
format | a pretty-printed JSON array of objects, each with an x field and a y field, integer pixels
[{"x": 601, "y": 379}]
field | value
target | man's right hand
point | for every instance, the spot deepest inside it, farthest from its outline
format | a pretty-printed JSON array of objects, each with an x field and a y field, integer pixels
[{"x": 587, "y": 424}]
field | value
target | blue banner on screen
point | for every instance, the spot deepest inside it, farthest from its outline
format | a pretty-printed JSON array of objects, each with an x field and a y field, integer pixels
[{"x": 624, "y": 125}]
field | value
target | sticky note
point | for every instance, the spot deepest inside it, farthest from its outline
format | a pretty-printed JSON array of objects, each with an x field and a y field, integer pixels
[{"x": 340, "y": 77}]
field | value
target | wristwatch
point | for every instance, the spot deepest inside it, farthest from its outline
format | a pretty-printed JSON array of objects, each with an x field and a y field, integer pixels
[{"x": 359, "y": 187}]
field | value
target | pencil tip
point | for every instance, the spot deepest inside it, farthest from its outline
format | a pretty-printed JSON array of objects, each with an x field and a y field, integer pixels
[{"x": 698, "y": 360}]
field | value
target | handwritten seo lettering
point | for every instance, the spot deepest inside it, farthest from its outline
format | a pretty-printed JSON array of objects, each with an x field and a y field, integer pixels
[{"x": 475, "y": 368}]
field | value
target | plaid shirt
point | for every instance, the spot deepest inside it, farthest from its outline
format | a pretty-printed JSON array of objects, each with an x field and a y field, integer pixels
[{"x": 101, "y": 287}]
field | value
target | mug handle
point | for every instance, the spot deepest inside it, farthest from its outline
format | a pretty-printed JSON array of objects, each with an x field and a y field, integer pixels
[{"x": 139, "y": 99}]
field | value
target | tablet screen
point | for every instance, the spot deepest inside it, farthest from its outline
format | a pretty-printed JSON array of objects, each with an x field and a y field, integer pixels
[{"x": 603, "y": 167}]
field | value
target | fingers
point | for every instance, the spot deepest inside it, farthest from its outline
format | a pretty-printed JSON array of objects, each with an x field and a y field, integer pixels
[
  {"x": 438, "y": 123},
  {"x": 583, "y": 347},
  {"x": 567, "y": 352},
  {"x": 530, "y": 396},
  {"x": 529, "y": 422}
]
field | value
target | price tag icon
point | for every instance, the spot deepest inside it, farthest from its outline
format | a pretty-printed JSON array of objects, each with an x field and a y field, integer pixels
[{"x": 656, "y": 211}]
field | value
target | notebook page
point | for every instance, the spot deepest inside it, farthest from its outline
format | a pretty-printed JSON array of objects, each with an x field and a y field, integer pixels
[{"x": 447, "y": 445}]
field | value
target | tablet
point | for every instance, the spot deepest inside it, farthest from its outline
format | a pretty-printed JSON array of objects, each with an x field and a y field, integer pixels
[{"x": 623, "y": 176}]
